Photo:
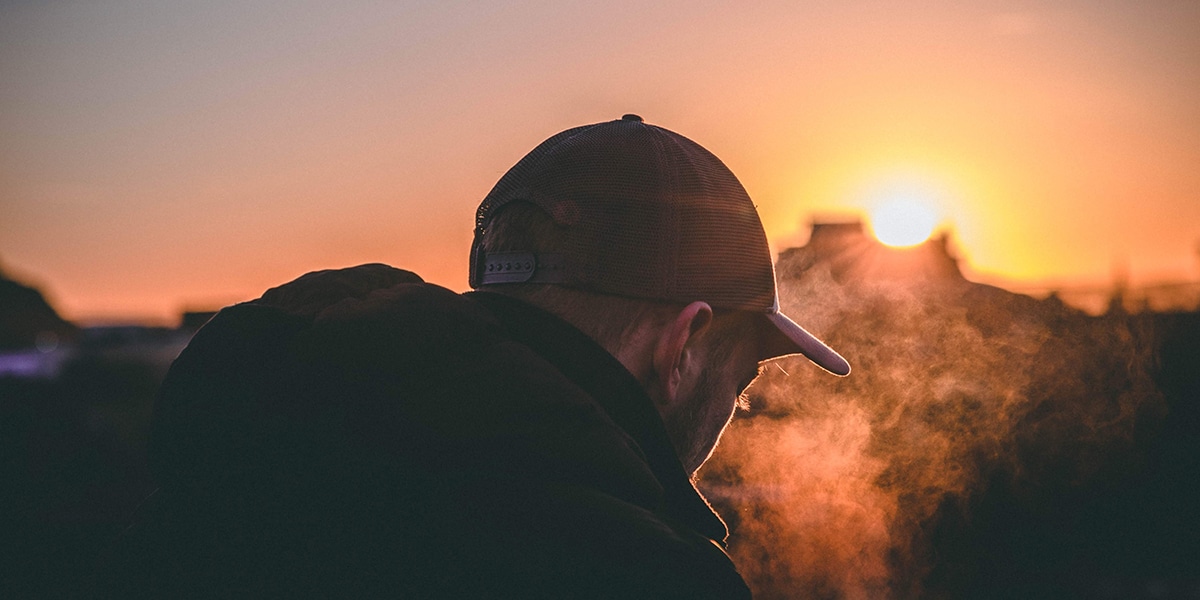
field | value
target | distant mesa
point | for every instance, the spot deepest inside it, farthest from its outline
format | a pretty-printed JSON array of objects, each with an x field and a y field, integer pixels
[
  {"x": 845, "y": 269},
  {"x": 850, "y": 254},
  {"x": 844, "y": 251},
  {"x": 35, "y": 342}
]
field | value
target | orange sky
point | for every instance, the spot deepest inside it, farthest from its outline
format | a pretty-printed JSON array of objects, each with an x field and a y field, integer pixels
[{"x": 168, "y": 155}]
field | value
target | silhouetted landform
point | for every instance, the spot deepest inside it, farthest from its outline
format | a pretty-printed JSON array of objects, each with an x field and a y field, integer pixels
[
  {"x": 849, "y": 254},
  {"x": 986, "y": 444},
  {"x": 35, "y": 342},
  {"x": 27, "y": 320}
]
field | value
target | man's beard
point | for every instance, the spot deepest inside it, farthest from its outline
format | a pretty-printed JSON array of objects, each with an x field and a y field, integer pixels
[{"x": 696, "y": 427}]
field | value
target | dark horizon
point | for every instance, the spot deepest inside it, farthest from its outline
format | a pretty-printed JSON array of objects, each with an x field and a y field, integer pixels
[{"x": 1092, "y": 298}]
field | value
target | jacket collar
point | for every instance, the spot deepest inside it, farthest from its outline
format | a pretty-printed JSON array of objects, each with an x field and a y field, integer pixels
[{"x": 618, "y": 393}]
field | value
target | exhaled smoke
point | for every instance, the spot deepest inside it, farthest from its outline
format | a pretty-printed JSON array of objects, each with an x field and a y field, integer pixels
[{"x": 837, "y": 488}]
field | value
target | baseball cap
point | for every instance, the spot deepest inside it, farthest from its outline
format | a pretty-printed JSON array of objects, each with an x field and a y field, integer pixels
[{"x": 650, "y": 214}]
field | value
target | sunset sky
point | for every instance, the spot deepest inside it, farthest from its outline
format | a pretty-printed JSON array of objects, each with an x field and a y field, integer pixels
[{"x": 157, "y": 156}]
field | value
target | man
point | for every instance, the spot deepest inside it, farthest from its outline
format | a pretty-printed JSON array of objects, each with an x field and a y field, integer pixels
[{"x": 362, "y": 433}]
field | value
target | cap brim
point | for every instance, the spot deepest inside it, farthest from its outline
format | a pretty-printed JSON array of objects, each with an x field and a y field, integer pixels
[{"x": 786, "y": 337}]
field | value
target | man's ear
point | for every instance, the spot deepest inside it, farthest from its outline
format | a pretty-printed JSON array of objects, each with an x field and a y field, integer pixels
[{"x": 673, "y": 351}]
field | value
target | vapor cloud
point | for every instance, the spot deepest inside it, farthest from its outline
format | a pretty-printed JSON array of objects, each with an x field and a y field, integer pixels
[{"x": 837, "y": 488}]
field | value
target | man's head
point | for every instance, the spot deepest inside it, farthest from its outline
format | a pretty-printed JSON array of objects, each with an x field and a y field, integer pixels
[{"x": 649, "y": 244}]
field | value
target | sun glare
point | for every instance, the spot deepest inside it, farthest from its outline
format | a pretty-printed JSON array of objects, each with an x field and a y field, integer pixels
[{"x": 903, "y": 222}]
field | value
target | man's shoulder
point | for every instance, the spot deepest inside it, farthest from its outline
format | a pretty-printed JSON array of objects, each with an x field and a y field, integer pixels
[
  {"x": 375, "y": 358},
  {"x": 405, "y": 418},
  {"x": 356, "y": 292},
  {"x": 362, "y": 312}
]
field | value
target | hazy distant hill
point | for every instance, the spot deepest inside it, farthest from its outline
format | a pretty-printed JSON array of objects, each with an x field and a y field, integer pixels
[{"x": 26, "y": 319}]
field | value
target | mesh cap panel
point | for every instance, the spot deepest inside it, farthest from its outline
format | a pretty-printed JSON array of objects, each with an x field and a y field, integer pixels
[{"x": 648, "y": 214}]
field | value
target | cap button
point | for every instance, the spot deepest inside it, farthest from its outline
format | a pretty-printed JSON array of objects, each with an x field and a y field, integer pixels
[{"x": 631, "y": 117}]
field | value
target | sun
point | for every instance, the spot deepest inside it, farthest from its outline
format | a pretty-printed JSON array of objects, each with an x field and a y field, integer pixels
[{"x": 903, "y": 222}]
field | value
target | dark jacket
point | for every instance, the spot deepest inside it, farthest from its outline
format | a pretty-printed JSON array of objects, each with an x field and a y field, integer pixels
[{"x": 362, "y": 433}]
